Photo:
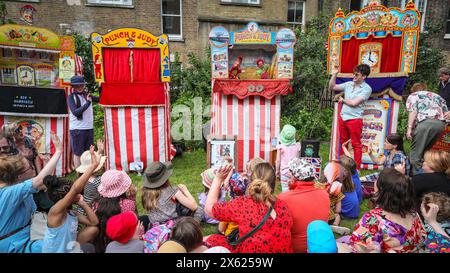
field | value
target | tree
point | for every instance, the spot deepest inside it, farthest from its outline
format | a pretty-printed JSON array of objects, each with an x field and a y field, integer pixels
[
  {"x": 429, "y": 57},
  {"x": 302, "y": 108}
]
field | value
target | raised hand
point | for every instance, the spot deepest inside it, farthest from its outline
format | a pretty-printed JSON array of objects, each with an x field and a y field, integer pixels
[
  {"x": 223, "y": 171},
  {"x": 94, "y": 157},
  {"x": 401, "y": 167},
  {"x": 100, "y": 146},
  {"x": 335, "y": 70},
  {"x": 56, "y": 142},
  {"x": 430, "y": 214}
]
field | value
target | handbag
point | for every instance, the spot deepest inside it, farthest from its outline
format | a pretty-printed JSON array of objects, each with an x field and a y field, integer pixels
[{"x": 233, "y": 237}]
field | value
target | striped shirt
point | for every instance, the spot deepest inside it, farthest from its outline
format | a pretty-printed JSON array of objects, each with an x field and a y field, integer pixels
[{"x": 89, "y": 193}]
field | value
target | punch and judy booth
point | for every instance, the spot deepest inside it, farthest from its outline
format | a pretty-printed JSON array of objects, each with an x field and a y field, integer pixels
[
  {"x": 251, "y": 70},
  {"x": 132, "y": 66},
  {"x": 36, "y": 66},
  {"x": 386, "y": 39}
]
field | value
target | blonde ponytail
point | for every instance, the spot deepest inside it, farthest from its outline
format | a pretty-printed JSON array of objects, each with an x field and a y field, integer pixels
[{"x": 260, "y": 191}]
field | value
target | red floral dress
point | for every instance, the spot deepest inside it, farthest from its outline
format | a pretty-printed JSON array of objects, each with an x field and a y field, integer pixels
[
  {"x": 376, "y": 233},
  {"x": 273, "y": 237}
]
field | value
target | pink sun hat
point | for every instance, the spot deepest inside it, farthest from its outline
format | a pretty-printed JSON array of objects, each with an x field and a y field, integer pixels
[{"x": 114, "y": 183}]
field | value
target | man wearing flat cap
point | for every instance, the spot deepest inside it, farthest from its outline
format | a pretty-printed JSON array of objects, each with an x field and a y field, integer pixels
[{"x": 81, "y": 118}]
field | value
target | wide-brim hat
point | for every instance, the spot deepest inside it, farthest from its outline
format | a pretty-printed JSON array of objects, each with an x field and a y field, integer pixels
[
  {"x": 114, "y": 183},
  {"x": 85, "y": 160},
  {"x": 287, "y": 135},
  {"x": 157, "y": 173},
  {"x": 77, "y": 80},
  {"x": 171, "y": 246}
]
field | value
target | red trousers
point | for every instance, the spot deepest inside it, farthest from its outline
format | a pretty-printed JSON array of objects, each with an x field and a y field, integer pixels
[{"x": 351, "y": 129}]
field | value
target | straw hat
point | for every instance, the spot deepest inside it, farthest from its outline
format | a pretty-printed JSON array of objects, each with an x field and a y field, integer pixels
[
  {"x": 171, "y": 246},
  {"x": 85, "y": 160}
]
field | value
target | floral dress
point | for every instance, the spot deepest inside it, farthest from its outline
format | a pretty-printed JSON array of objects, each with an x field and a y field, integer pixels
[
  {"x": 273, "y": 237},
  {"x": 435, "y": 242},
  {"x": 375, "y": 233}
]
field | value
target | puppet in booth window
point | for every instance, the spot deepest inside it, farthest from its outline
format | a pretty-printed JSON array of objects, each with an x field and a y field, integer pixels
[
  {"x": 236, "y": 68},
  {"x": 263, "y": 69},
  {"x": 97, "y": 67}
]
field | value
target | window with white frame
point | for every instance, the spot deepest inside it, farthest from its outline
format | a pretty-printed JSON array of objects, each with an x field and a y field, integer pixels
[
  {"x": 447, "y": 28},
  {"x": 111, "y": 2},
  {"x": 421, "y": 6},
  {"x": 248, "y": 2},
  {"x": 296, "y": 12},
  {"x": 172, "y": 19}
]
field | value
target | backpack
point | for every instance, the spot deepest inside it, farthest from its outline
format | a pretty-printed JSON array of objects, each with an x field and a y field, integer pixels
[{"x": 157, "y": 235}]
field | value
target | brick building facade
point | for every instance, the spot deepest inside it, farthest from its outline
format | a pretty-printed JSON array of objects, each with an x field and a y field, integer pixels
[
  {"x": 85, "y": 17},
  {"x": 191, "y": 20}
]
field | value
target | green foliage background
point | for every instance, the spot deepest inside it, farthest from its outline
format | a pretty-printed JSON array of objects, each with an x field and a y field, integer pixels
[{"x": 193, "y": 79}]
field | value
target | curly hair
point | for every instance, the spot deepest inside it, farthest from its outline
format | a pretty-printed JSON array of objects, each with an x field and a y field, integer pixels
[
  {"x": 57, "y": 188},
  {"x": 11, "y": 166},
  {"x": 443, "y": 202},
  {"x": 395, "y": 192}
]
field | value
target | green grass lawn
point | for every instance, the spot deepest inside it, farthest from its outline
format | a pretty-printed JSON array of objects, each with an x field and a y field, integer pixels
[
  {"x": 187, "y": 171},
  {"x": 188, "y": 167}
]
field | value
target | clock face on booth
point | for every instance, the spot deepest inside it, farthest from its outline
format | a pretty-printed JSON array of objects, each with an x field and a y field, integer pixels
[
  {"x": 370, "y": 58},
  {"x": 370, "y": 54}
]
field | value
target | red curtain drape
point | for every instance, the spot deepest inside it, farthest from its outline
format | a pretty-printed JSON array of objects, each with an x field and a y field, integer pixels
[
  {"x": 117, "y": 65},
  {"x": 390, "y": 56},
  {"x": 146, "y": 65}
]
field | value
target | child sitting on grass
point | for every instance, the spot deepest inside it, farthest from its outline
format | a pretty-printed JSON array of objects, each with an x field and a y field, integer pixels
[
  {"x": 350, "y": 164},
  {"x": 207, "y": 178},
  {"x": 333, "y": 176},
  {"x": 188, "y": 232},
  {"x": 124, "y": 230},
  {"x": 435, "y": 210}
]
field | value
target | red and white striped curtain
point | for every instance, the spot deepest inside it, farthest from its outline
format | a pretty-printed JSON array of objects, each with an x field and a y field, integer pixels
[
  {"x": 136, "y": 134},
  {"x": 254, "y": 120}
]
